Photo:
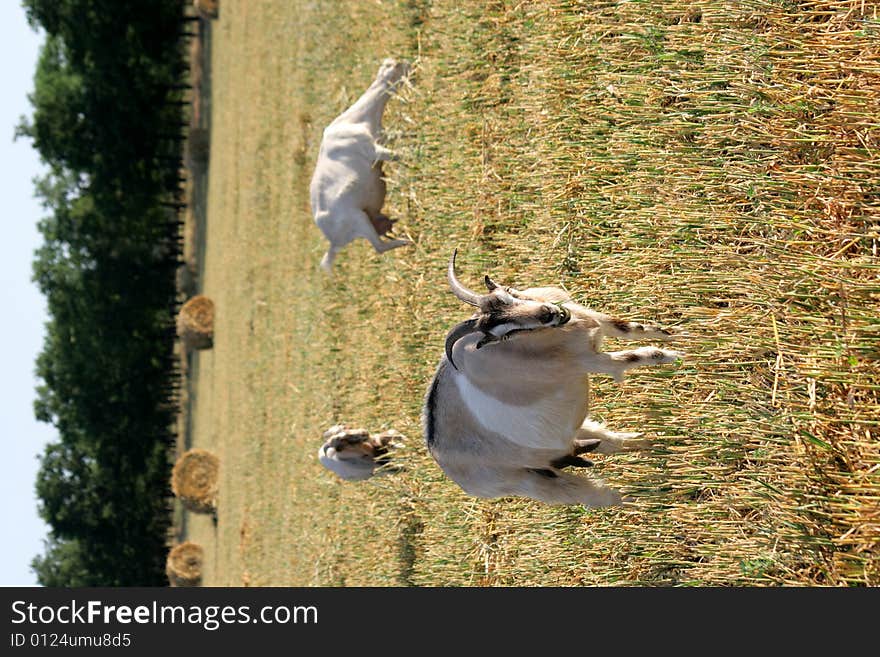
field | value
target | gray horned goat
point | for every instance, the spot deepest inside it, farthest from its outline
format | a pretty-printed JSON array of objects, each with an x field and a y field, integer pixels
[{"x": 508, "y": 406}]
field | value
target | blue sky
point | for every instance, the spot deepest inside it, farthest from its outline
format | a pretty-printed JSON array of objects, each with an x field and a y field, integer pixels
[{"x": 21, "y": 334}]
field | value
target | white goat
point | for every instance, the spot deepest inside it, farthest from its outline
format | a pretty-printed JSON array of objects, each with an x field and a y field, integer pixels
[
  {"x": 353, "y": 454},
  {"x": 347, "y": 189},
  {"x": 507, "y": 408}
]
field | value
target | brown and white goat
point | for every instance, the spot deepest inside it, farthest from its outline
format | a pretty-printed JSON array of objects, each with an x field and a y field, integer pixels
[
  {"x": 508, "y": 406},
  {"x": 355, "y": 454}
]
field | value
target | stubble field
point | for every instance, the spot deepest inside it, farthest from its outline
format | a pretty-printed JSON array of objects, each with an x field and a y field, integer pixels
[{"x": 710, "y": 166}]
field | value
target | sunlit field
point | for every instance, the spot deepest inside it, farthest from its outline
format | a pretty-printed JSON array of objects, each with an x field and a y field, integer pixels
[{"x": 708, "y": 166}]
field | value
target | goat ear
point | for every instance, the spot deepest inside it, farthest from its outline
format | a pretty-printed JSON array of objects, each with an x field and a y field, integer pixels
[{"x": 490, "y": 283}]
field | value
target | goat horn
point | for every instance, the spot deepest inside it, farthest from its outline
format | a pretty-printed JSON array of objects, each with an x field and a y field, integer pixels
[
  {"x": 458, "y": 289},
  {"x": 456, "y": 333}
]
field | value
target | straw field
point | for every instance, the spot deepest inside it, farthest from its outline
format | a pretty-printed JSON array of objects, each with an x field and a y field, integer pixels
[{"x": 711, "y": 166}]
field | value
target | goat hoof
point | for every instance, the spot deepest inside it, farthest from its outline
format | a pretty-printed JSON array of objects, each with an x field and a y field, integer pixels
[
  {"x": 667, "y": 356},
  {"x": 606, "y": 497}
]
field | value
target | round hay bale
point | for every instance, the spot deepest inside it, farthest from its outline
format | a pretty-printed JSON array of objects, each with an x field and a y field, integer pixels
[
  {"x": 195, "y": 323},
  {"x": 184, "y": 564},
  {"x": 207, "y": 8},
  {"x": 194, "y": 480}
]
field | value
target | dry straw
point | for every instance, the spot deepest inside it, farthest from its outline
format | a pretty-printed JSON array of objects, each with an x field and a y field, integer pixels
[
  {"x": 184, "y": 564},
  {"x": 711, "y": 166},
  {"x": 194, "y": 480},
  {"x": 195, "y": 323}
]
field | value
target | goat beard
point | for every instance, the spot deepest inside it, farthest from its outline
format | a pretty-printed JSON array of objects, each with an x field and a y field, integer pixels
[
  {"x": 490, "y": 338},
  {"x": 471, "y": 326},
  {"x": 456, "y": 333}
]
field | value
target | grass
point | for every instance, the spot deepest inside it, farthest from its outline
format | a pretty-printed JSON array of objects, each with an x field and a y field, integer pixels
[{"x": 711, "y": 166}]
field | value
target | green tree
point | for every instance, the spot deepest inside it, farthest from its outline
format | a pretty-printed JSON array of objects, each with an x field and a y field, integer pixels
[
  {"x": 63, "y": 563},
  {"x": 60, "y": 129},
  {"x": 105, "y": 93}
]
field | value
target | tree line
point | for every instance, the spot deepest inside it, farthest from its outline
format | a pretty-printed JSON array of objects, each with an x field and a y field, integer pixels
[{"x": 108, "y": 121}]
